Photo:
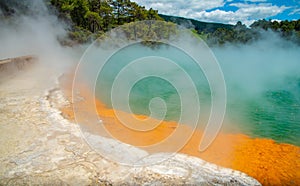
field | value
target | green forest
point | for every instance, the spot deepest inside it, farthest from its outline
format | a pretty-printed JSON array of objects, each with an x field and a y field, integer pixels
[
  {"x": 217, "y": 33},
  {"x": 89, "y": 19},
  {"x": 94, "y": 17}
]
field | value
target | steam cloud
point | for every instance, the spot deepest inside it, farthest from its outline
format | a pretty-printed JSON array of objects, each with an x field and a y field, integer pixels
[
  {"x": 263, "y": 86},
  {"x": 35, "y": 32},
  {"x": 253, "y": 72}
]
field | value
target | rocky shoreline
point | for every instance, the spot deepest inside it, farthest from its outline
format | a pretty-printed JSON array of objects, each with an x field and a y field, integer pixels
[{"x": 39, "y": 146}]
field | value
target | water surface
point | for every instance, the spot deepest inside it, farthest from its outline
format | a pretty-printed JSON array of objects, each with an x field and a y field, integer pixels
[{"x": 263, "y": 95}]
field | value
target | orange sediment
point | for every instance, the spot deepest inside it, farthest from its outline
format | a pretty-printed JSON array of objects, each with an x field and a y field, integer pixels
[{"x": 269, "y": 162}]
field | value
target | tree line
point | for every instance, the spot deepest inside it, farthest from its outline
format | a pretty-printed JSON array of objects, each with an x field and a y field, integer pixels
[
  {"x": 90, "y": 17},
  {"x": 219, "y": 34},
  {"x": 240, "y": 33}
]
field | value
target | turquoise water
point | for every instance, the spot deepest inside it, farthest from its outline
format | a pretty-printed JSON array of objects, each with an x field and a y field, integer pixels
[
  {"x": 256, "y": 105},
  {"x": 274, "y": 113},
  {"x": 150, "y": 87}
]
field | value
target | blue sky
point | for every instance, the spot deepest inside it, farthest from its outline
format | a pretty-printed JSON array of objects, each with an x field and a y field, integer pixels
[{"x": 227, "y": 11}]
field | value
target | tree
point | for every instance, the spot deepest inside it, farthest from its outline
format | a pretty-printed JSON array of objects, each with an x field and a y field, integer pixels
[
  {"x": 137, "y": 13},
  {"x": 153, "y": 15},
  {"x": 94, "y": 5},
  {"x": 78, "y": 11},
  {"x": 275, "y": 25},
  {"x": 106, "y": 12},
  {"x": 118, "y": 10},
  {"x": 97, "y": 16},
  {"x": 94, "y": 21}
]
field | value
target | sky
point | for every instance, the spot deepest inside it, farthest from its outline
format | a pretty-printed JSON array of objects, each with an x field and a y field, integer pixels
[{"x": 227, "y": 11}]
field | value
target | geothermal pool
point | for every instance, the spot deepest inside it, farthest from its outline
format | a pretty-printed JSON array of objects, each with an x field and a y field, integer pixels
[
  {"x": 260, "y": 131},
  {"x": 263, "y": 88}
]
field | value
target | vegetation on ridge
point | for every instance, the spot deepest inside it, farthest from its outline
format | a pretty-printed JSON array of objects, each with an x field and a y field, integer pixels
[
  {"x": 217, "y": 33},
  {"x": 89, "y": 19},
  {"x": 94, "y": 17}
]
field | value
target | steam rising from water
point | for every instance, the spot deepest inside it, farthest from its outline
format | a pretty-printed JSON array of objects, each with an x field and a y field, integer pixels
[
  {"x": 35, "y": 32},
  {"x": 263, "y": 84},
  {"x": 263, "y": 78}
]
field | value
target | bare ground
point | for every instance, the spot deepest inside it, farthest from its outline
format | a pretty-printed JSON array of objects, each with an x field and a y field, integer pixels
[{"x": 39, "y": 146}]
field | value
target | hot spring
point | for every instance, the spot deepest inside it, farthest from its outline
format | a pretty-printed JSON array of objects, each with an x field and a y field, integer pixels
[{"x": 262, "y": 82}]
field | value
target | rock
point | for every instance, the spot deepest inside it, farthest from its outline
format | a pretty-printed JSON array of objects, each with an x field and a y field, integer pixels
[{"x": 39, "y": 147}]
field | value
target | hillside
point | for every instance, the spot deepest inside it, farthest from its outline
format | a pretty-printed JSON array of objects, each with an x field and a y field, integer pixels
[
  {"x": 218, "y": 33},
  {"x": 199, "y": 26},
  {"x": 89, "y": 19}
]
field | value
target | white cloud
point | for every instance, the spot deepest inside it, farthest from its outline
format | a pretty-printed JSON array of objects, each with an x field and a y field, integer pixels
[
  {"x": 176, "y": 5},
  {"x": 295, "y": 11},
  {"x": 199, "y": 9},
  {"x": 256, "y": 11},
  {"x": 256, "y": 1},
  {"x": 247, "y": 13},
  {"x": 251, "y": 12},
  {"x": 215, "y": 16}
]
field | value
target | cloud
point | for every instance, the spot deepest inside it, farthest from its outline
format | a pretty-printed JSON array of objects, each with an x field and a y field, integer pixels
[
  {"x": 258, "y": 11},
  {"x": 170, "y": 6},
  {"x": 247, "y": 12},
  {"x": 256, "y": 1},
  {"x": 295, "y": 11}
]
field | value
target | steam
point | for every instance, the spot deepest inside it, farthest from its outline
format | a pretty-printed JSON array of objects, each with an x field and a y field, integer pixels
[
  {"x": 35, "y": 32},
  {"x": 259, "y": 66},
  {"x": 262, "y": 81},
  {"x": 263, "y": 89},
  {"x": 262, "y": 78}
]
